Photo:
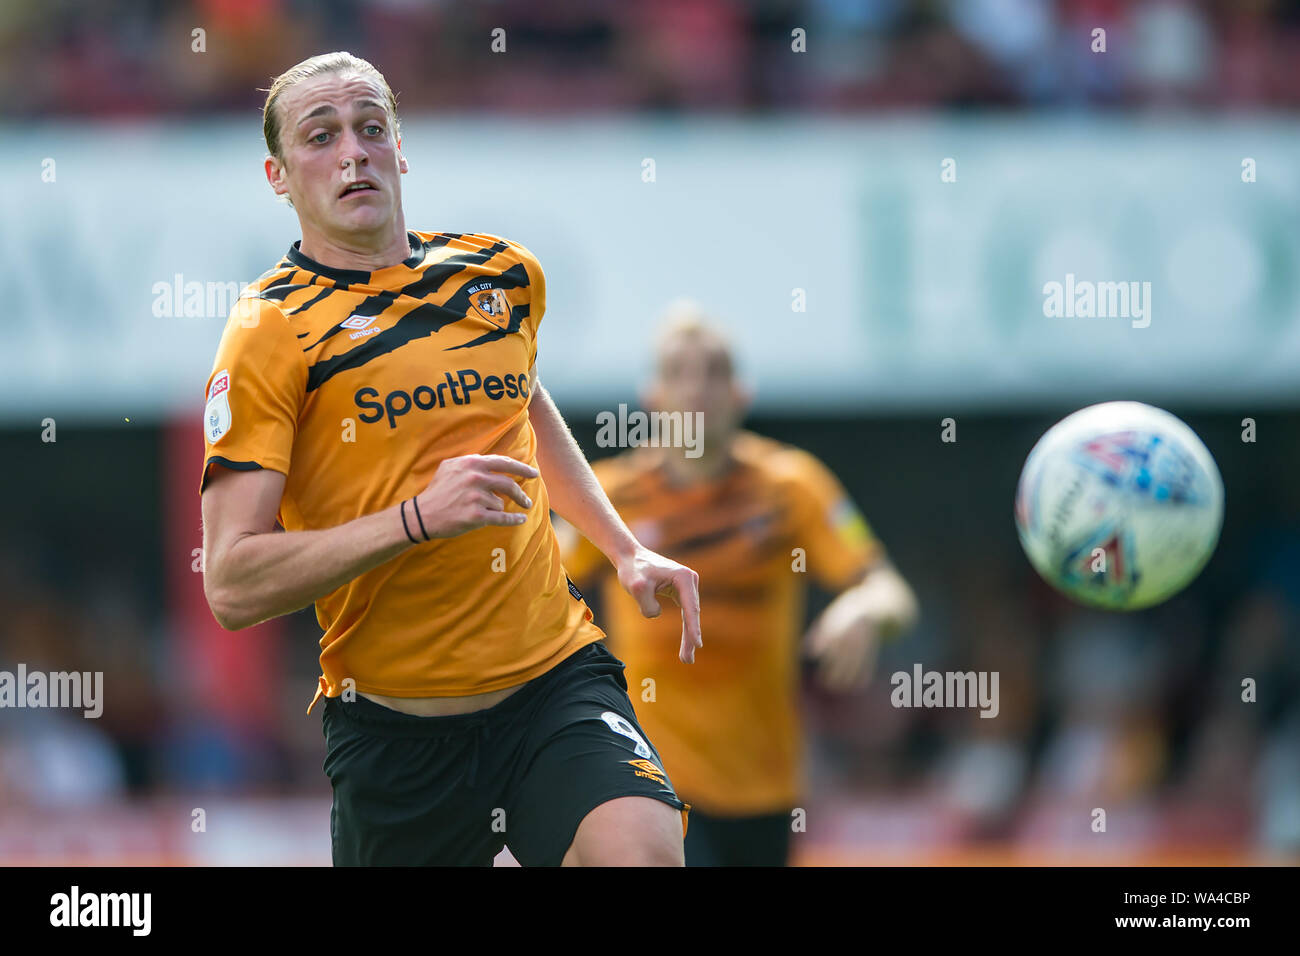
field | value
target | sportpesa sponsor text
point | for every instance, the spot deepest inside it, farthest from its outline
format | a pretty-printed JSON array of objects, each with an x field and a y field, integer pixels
[{"x": 461, "y": 389}]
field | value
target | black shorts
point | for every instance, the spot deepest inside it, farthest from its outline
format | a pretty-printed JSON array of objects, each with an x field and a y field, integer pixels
[
  {"x": 436, "y": 791},
  {"x": 738, "y": 841}
]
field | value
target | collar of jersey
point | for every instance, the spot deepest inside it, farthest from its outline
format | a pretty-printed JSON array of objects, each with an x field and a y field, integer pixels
[{"x": 354, "y": 276}]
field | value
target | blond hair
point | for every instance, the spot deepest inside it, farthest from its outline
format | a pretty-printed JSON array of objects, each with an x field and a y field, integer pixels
[
  {"x": 686, "y": 318},
  {"x": 339, "y": 62}
]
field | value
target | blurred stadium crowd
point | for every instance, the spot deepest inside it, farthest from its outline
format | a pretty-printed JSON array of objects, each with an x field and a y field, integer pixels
[
  {"x": 137, "y": 57},
  {"x": 1138, "y": 714}
]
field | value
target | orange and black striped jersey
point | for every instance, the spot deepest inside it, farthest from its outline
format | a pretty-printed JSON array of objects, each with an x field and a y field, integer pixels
[
  {"x": 728, "y": 725},
  {"x": 356, "y": 386}
]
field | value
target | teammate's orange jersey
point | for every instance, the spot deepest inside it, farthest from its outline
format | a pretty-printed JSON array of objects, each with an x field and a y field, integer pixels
[
  {"x": 728, "y": 725},
  {"x": 356, "y": 386}
]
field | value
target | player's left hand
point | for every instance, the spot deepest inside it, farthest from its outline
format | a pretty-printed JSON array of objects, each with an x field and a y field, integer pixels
[
  {"x": 646, "y": 575},
  {"x": 845, "y": 642}
]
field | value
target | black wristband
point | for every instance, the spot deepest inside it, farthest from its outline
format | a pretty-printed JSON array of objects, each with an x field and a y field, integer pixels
[
  {"x": 415, "y": 506},
  {"x": 407, "y": 527}
]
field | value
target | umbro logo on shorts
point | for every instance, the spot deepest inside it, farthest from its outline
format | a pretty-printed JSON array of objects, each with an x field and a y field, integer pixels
[{"x": 644, "y": 768}]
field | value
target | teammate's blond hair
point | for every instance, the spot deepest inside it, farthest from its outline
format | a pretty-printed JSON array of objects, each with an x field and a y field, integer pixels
[{"x": 686, "y": 318}]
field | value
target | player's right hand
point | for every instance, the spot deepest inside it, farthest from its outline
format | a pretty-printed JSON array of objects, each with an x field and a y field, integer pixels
[{"x": 470, "y": 492}]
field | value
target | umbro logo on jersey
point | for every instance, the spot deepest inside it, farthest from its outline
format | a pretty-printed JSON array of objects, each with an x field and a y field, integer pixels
[{"x": 360, "y": 323}]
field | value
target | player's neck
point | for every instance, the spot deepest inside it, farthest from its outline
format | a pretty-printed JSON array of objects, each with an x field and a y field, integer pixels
[
  {"x": 361, "y": 253},
  {"x": 714, "y": 461}
]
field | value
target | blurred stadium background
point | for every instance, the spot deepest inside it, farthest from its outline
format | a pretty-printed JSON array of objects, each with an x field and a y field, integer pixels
[{"x": 133, "y": 199}]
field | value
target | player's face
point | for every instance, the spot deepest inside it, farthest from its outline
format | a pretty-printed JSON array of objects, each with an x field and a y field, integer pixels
[
  {"x": 335, "y": 133},
  {"x": 695, "y": 376}
]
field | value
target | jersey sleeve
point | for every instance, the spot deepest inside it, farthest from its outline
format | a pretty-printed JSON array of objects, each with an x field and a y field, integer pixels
[
  {"x": 840, "y": 543},
  {"x": 536, "y": 298},
  {"x": 255, "y": 393}
]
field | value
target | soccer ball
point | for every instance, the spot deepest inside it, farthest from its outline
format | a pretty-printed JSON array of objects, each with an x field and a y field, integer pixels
[{"x": 1119, "y": 505}]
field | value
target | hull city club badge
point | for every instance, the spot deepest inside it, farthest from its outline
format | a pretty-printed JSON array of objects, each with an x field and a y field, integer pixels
[{"x": 492, "y": 305}]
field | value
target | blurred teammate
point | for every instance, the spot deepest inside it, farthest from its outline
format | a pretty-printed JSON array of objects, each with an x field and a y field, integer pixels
[
  {"x": 752, "y": 516},
  {"x": 377, "y": 397}
]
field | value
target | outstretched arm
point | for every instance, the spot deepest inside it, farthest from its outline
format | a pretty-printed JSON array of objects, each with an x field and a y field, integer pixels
[
  {"x": 577, "y": 497},
  {"x": 846, "y": 637}
]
